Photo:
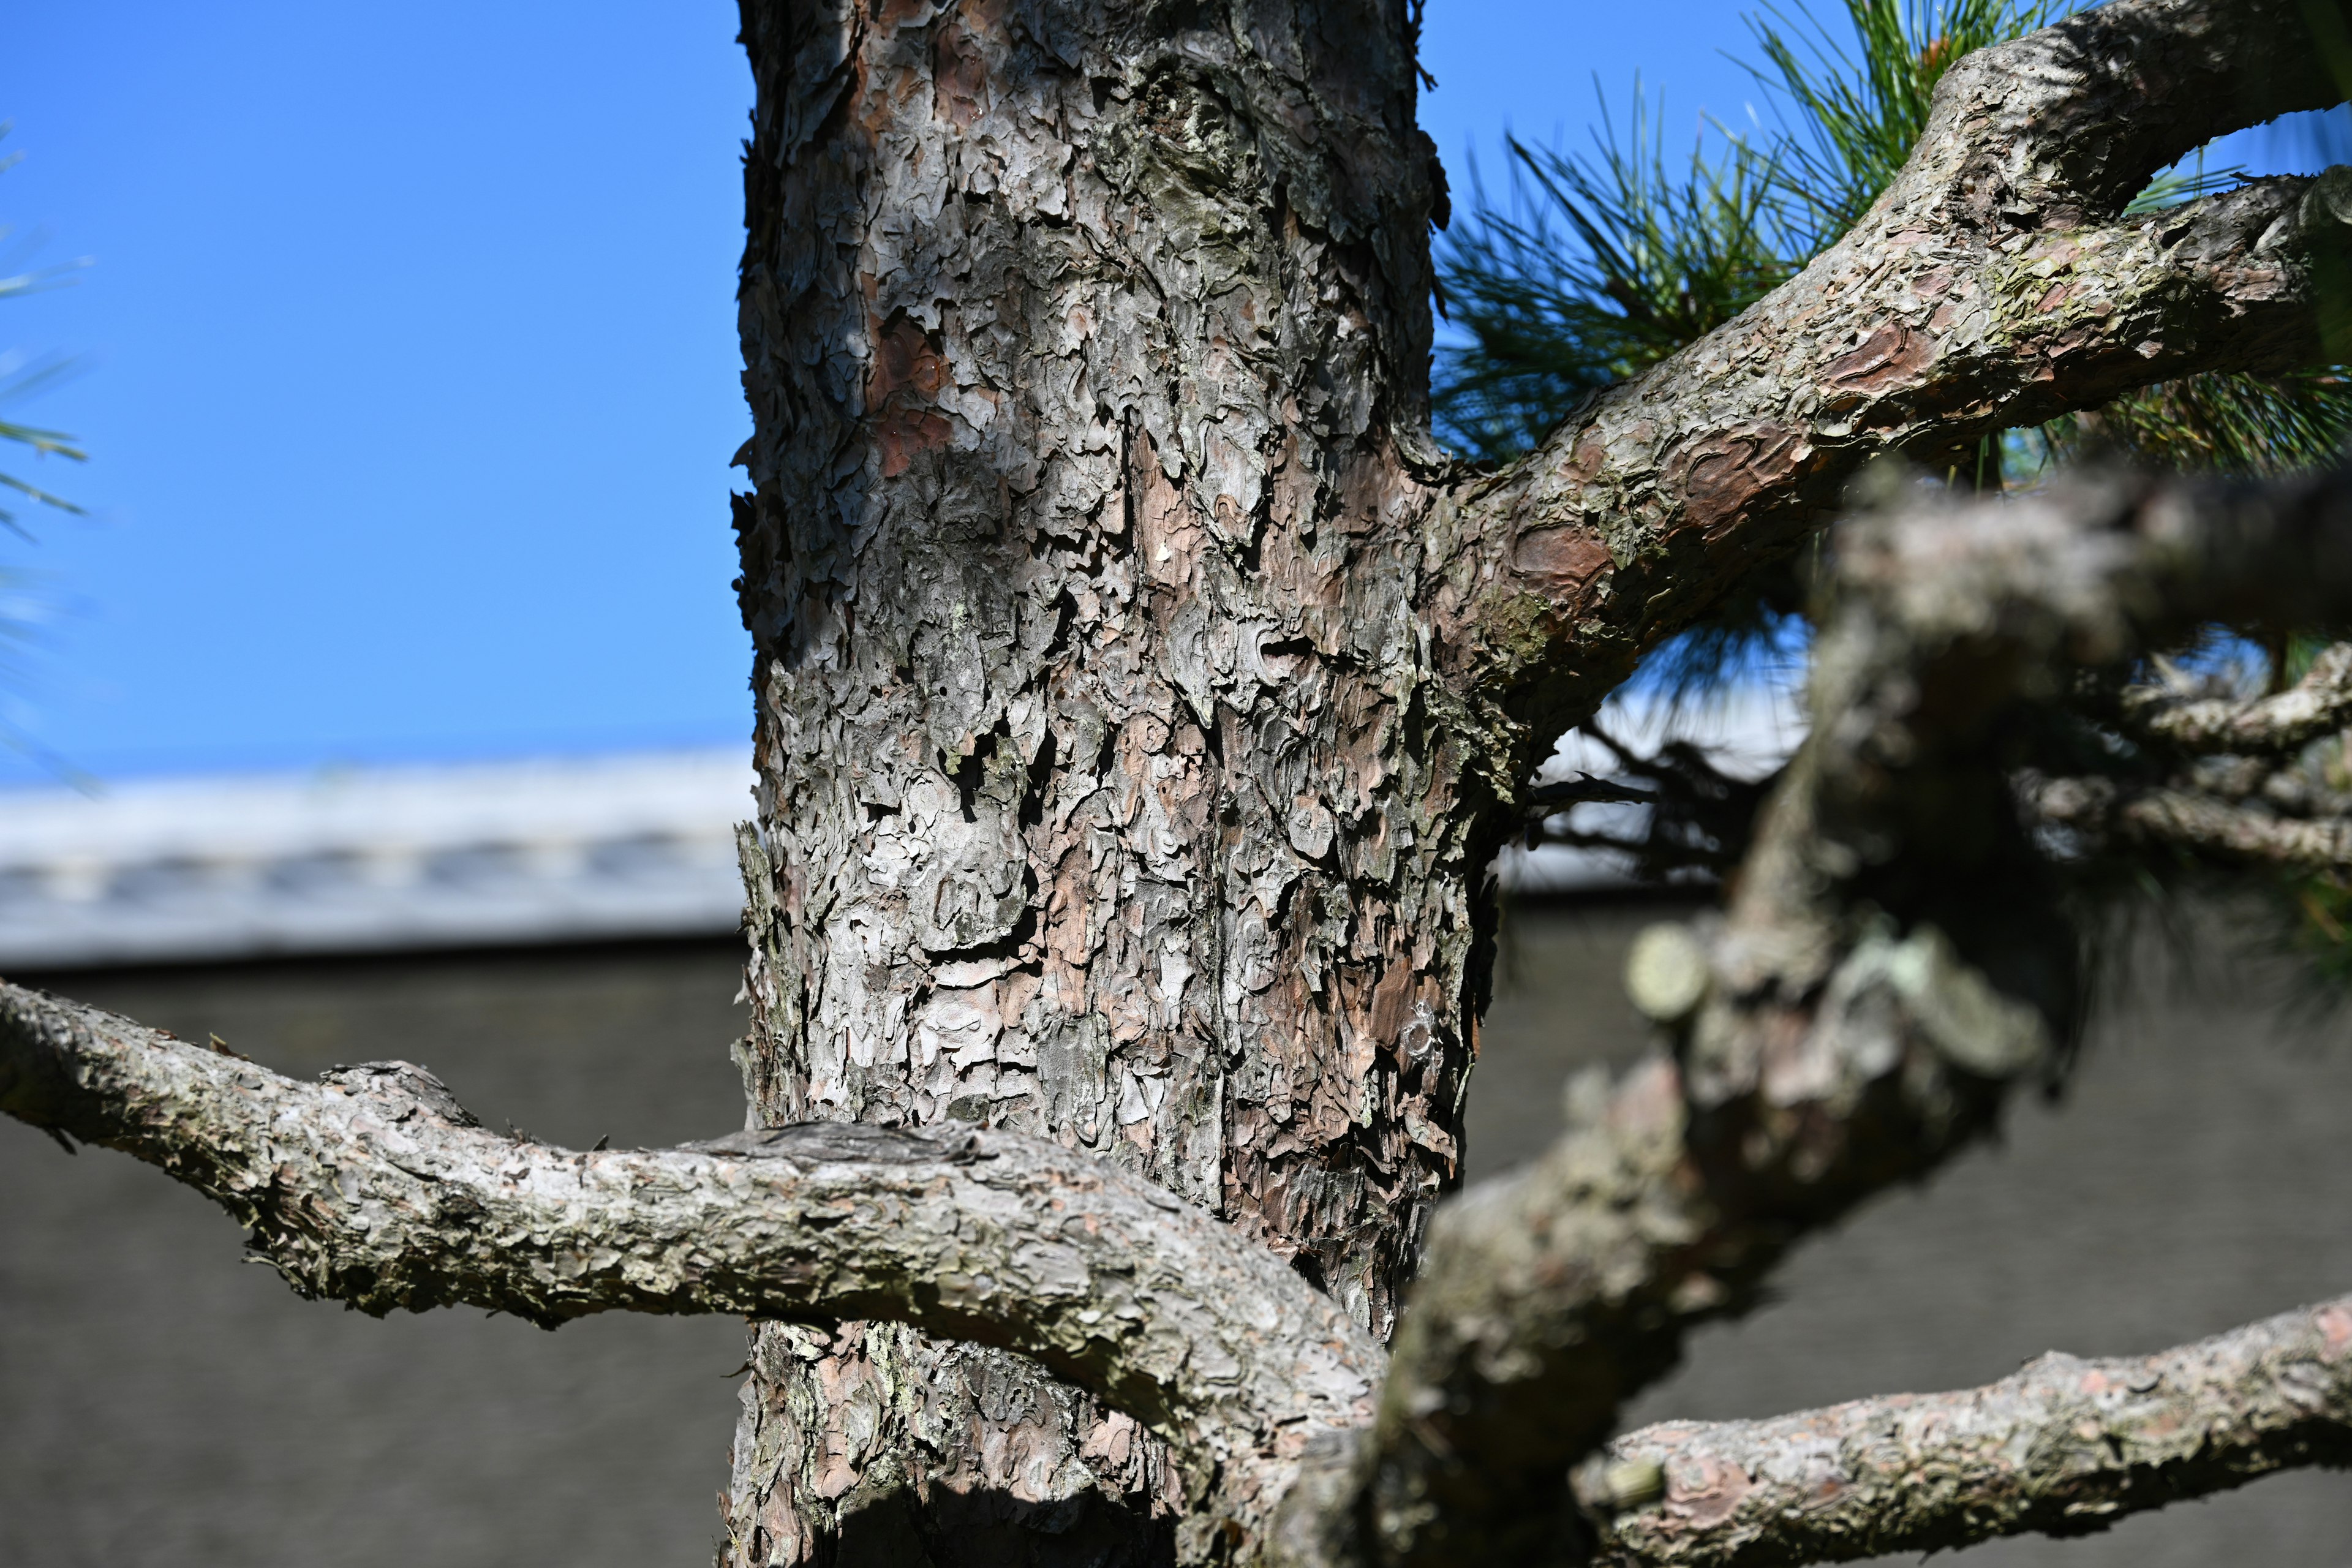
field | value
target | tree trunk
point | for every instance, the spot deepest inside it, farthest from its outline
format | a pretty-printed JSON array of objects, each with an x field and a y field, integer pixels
[{"x": 1108, "y": 787}]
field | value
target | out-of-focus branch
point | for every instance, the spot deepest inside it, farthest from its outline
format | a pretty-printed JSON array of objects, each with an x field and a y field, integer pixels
[
  {"x": 1997, "y": 283},
  {"x": 1894, "y": 955},
  {"x": 374, "y": 1186},
  {"x": 2063, "y": 1448},
  {"x": 2217, "y": 830},
  {"x": 2317, "y": 705},
  {"x": 1695, "y": 816}
]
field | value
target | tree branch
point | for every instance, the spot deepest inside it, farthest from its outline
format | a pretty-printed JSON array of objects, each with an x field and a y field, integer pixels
[
  {"x": 2063, "y": 1448},
  {"x": 374, "y": 1186},
  {"x": 1887, "y": 967},
  {"x": 1815, "y": 1067},
  {"x": 2319, "y": 704},
  {"x": 2187, "y": 820},
  {"x": 1895, "y": 953},
  {"x": 1996, "y": 284}
]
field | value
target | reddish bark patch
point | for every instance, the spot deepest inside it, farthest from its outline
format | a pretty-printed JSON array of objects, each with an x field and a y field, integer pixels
[
  {"x": 1168, "y": 531},
  {"x": 959, "y": 77},
  {"x": 904, "y": 434},
  {"x": 1892, "y": 354},
  {"x": 1390, "y": 999},
  {"x": 904, "y": 375},
  {"x": 1724, "y": 474},
  {"x": 1706, "y": 1492},
  {"x": 1589, "y": 457},
  {"x": 1366, "y": 485},
  {"x": 1559, "y": 563},
  {"x": 903, "y": 360}
]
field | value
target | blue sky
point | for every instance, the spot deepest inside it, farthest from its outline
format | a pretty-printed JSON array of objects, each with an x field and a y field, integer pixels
[{"x": 408, "y": 369}]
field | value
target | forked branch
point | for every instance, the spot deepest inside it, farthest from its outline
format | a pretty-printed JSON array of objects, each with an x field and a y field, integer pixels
[
  {"x": 1895, "y": 953},
  {"x": 1855, "y": 1016}
]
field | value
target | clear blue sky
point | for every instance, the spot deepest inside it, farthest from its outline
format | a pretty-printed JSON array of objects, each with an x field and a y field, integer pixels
[{"x": 409, "y": 363}]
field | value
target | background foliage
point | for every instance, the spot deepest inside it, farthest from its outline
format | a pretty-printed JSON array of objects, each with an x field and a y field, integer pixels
[{"x": 21, "y": 379}]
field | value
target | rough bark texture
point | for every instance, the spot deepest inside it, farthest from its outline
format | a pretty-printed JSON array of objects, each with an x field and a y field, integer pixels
[
  {"x": 1105, "y": 791},
  {"x": 2064, "y": 1447},
  {"x": 1886, "y": 968},
  {"x": 2195, "y": 821},
  {"x": 2177, "y": 711},
  {"x": 1140, "y": 700},
  {"x": 1895, "y": 952}
]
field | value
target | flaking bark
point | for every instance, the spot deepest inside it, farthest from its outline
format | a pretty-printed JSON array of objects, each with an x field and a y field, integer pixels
[
  {"x": 1997, "y": 283},
  {"x": 1895, "y": 955},
  {"x": 1830, "y": 1027},
  {"x": 1142, "y": 699},
  {"x": 1106, "y": 790}
]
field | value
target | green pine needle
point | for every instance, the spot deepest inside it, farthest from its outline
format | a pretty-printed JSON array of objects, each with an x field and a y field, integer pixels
[{"x": 28, "y": 383}]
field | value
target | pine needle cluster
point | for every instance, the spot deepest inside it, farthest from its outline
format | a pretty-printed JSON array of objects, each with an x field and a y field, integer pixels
[{"x": 19, "y": 380}]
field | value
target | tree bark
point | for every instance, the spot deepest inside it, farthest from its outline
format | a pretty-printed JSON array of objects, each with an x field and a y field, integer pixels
[
  {"x": 1106, "y": 788},
  {"x": 2066, "y": 1446}
]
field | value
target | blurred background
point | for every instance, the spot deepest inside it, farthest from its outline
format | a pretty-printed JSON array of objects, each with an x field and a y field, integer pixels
[{"x": 384, "y": 696}]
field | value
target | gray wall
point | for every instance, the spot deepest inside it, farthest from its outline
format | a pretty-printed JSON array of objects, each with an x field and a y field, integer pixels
[{"x": 161, "y": 1404}]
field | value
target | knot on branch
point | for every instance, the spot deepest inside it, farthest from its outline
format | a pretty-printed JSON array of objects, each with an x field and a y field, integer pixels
[{"x": 402, "y": 1082}]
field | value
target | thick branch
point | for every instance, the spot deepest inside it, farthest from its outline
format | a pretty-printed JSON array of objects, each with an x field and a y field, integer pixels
[
  {"x": 1548, "y": 1298},
  {"x": 2064, "y": 1447},
  {"x": 373, "y": 1185},
  {"x": 1995, "y": 284}
]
